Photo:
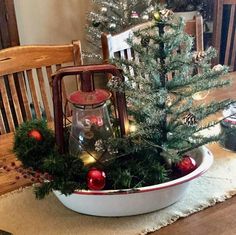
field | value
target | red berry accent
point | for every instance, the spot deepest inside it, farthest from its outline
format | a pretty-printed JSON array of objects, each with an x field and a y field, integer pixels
[
  {"x": 8, "y": 169},
  {"x": 40, "y": 180},
  {"x": 35, "y": 134},
  {"x": 17, "y": 177},
  {"x": 13, "y": 164},
  {"x": 50, "y": 178},
  {"x": 25, "y": 176},
  {"x": 36, "y": 175},
  {"x": 96, "y": 179},
  {"x": 186, "y": 165}
]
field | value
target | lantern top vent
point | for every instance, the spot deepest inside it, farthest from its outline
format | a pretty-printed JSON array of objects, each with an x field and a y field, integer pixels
[{"x": 91, "y": 98}]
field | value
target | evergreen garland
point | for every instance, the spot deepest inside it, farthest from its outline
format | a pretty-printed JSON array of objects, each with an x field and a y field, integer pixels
[
  {"x": 32, "y": 152},
  {"x": 68, "y": 174},
  {"x": 65, "y": 172}
]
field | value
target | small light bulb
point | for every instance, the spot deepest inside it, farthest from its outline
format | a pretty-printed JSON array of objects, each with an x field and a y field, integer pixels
[
  {"x": 132, "y": 128},
  {"x": 87, "y": 159},
  {"x": 169, "y": 103}
]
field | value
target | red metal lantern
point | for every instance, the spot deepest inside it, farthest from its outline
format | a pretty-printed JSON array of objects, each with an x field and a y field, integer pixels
[
  {"x": 90, "y": 123},
  {"x": 89, "y": 99}
]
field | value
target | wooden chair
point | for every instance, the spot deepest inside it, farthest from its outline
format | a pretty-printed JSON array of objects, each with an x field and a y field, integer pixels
[
  {"x": 25, "y": 77},
  {"x": 224, "y": 37},
  {"x": 116, "y": 45}
]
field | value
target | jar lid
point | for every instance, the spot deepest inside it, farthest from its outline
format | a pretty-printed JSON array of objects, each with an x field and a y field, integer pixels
[{"x": 95, "y": 97}]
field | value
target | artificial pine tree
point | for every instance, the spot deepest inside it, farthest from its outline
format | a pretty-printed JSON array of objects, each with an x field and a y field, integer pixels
[
  {"x": 168, "y": 122},
  {"x": 116, "y": 16},
  {"x": 159, "y": 85}
]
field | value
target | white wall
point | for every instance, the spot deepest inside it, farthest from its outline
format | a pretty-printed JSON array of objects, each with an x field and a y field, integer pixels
[{"x": 51, "y": 21}]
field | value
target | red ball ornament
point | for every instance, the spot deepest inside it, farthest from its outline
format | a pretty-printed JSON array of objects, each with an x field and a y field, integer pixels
[
  {"x": 36, "y": 135},
  {"x": 96, "y": 179},
  {"x": 186, "y": 165}
]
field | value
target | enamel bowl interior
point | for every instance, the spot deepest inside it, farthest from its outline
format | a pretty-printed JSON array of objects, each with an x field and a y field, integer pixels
[{"x": 128, "y": 202}]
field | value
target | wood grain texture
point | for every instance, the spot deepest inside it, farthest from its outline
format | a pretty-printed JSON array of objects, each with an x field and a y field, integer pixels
[
  {"x": 64, "y": 95},
  {"x": 233, "y": 41},
  {"x": 2, "y": 125},
  {"x": 15, "y": 98},
  {"x": 199, "y": 33},
  {"x": 77, "y": 53},
  {"x": 217, "y": 27},
  {"x": 8, "y": 181},
  {"x": 229, "y": 36},
  {"x": 217, "y": 220},
  {"x": 33, "y": 92},
  {"x": 5, "y": 40},
  {"x": 105, "y": 47},
  {"x": 6, "y": 104},
  {"x": 11, "y": 22},
  {"x": 25, "y": 76},
  {"x": 42, "y": 88},
  {"x": 229, "y": 2},
  {"x": 24, "y": 95},
  {"x": 195, "y": 29},
  {"x": 22, "y": 58},
  {"x": 230, "y": 51}
]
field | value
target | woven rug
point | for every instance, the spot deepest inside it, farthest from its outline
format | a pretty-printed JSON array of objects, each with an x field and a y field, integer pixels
[{"x": 21, "y": 213}]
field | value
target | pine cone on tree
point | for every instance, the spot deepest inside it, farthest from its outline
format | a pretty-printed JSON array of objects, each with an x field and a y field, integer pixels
[
  {"x": 145, "y": 40},
  {"x": 190, "y": 119},
  {"x": 198, "y": 56}
]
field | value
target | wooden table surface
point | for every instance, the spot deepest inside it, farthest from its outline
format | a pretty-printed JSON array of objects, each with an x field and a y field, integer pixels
[{"x": 217, "y": 220}]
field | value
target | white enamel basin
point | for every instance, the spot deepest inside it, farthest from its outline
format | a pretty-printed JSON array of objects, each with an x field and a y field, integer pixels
[{"x": 127, "y": 202}]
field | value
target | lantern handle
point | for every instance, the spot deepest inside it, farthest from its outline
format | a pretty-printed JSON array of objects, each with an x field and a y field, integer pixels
[{"x": 85, "y": 69}]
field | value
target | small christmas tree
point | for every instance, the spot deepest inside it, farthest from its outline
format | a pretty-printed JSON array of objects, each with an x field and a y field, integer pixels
[
  {"x": 168, "y": 122},
  {"x": 116, "y": 16},
  {"x": 159, "y": 85}
]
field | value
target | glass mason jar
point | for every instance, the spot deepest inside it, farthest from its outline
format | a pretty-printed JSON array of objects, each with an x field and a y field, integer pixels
[{"x": 90, "y": 123}]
